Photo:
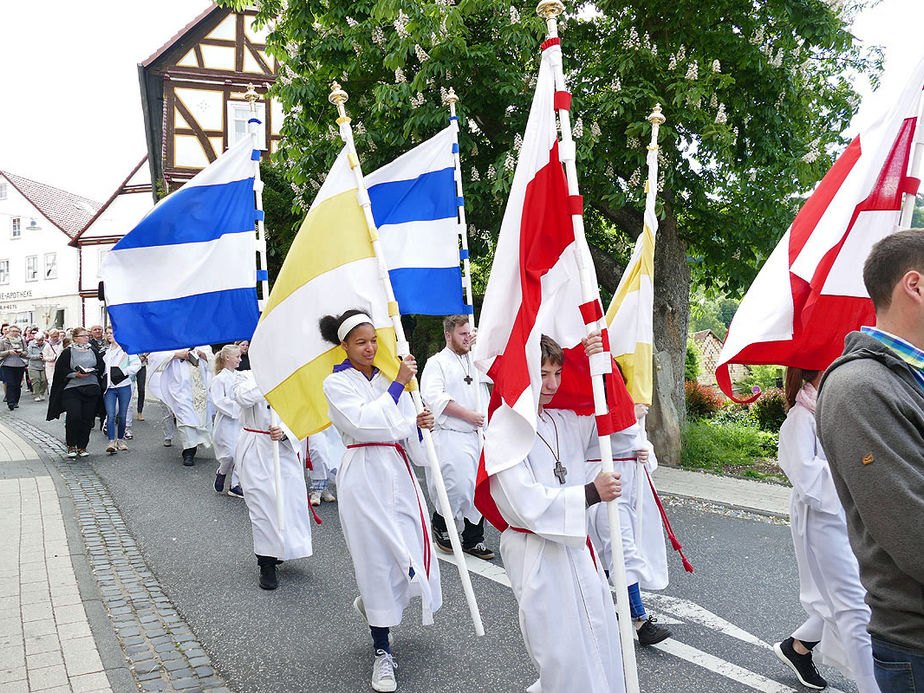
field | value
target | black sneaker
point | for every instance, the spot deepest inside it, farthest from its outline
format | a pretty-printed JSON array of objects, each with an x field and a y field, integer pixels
[
  {"x": 802, "y": 665},
  {"x": 479, "y": 550},
  {"x": 442, "y": 540},
  {"x": 268, "y": 580},
  {"x": 189, "y": 457},
  {"x": 236, "y": 491},
  {"x": 219, "y": 483},
  {"x": 651, "y": 633}
]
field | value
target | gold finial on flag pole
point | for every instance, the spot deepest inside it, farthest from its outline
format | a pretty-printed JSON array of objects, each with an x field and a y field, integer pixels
[
  {"x": 251, "y": 95},
  {"x": 656, "y": 119},
  {"x": 549, "y": 9},
  {"x": 338, "y": 97},
  {"x": 451, "y": 99}
]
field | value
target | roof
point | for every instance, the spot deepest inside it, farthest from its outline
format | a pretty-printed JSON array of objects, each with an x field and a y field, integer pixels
[
  {"x": 704, "y": 334},
  {"x": 67, "y": 211},
  {"x": 135, "y": 182}
]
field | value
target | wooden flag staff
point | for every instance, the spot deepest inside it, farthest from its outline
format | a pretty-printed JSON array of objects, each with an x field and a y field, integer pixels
[
  {"x": 338, "y": 97},
  {"x": 549, "y": 10}
]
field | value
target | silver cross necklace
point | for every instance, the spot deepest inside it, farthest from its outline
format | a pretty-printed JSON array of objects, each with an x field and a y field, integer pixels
[{"x": 560, "y": 472}]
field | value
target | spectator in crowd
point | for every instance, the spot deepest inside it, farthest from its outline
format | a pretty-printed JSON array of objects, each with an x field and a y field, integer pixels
[
  {"x": 97, "y": 339},
  {"x": 53, "y": 347},
  {"x": 244, "y": 346},
  {"x": 76, "y": 390},
  {"x": 119, "y": 367},
  {"x": 870, "y": 418},
  {"x": 35, "y": 351},
  {"x": 12, "y": 364}
]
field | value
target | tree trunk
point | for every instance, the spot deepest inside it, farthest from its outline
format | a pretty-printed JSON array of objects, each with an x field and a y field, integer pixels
[{"x": 671, "y": 312}]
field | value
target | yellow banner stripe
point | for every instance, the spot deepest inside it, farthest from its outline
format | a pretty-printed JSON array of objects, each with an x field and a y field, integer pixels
[
  {"x": 644, "y": 266},
  {"x": 637, "y": 367},
  {"x": 299, "y": 399},
  {"x": 321, "y": 246}
]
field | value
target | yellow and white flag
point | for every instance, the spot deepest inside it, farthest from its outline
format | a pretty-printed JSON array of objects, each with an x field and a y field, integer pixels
[
  {"x": 630, "y": 314},
  {"x": 330, "y": 268}
]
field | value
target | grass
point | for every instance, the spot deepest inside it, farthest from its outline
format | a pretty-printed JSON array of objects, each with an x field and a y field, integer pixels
[{"x": 734, "y": 448}]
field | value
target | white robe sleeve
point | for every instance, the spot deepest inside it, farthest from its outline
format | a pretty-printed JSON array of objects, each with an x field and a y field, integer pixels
[
  {"x": 220, "y": 390},
  {"x": 377, "y": 420},
  {"x": 554, "y": 514},
  {"x": 433, "y": 387},
  {"x": 245, "y": 393},
  {"x": 627, "y": 441},
  {"x": 803, "y": 460}
]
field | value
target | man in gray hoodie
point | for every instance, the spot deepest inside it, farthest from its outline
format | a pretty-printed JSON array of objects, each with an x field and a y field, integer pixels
[{"x": 871, "y": 424}]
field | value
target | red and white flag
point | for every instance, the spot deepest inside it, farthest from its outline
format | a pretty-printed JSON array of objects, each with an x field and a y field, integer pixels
[
  {"x": 810, "y": 293},
  {"x": 535, "y": 289}
]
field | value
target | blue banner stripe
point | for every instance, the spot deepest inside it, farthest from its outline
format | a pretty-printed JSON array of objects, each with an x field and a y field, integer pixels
[
  {"x": 262, "y": 275},
  {"x": 455, "y": 147},
  {"x": 425, "y": 198},
  {"x": 255, "y": 155},
  {"x": 463, "y": 254},
  {"x": 178, "y": 323},
  {"x": 469, "y": 310},
  {"x": 453, "y": 117},
  {"x": 259, "y": 215},
  {"x": 429, "y": 290},
  {"x": 194, "y": 215},
  {"x": 460, "y": 201},
  {"x": 255, "y": 120}
]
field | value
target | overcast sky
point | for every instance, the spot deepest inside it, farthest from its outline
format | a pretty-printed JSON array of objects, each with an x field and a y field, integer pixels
[{"x": 70, "y": 105}]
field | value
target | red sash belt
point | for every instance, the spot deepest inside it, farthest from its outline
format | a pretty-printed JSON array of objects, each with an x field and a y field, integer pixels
[
  {"x": 423, "y": 518},
  {"x": 256, "y": 430}
]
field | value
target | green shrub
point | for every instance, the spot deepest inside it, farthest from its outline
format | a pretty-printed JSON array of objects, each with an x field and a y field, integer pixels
[
  {"x": 708, "y": 445},
  {"x": 702, "y": 400},
  {"x": 691, "y": 367},
  {"x": 763, "y": 377},
  {"x": 770, "y": 409}
]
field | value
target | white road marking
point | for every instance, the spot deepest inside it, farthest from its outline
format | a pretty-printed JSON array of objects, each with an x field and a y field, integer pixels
[
  {"x": 690, "y": 611},
  {"x": 681, "y": 608}
]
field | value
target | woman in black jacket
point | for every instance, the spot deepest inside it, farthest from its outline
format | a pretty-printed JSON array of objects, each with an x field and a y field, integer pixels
[{"x": 76, "y": 389}]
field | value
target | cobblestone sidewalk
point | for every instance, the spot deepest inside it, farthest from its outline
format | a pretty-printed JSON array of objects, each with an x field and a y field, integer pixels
[{"x": 163, "y": 653}]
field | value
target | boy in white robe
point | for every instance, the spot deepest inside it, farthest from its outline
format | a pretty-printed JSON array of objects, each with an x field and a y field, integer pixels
[
  {"x": 180, "y": 379},
  {"x": 325, "y": 450},
  {"x": 829, "y": 575},
  {"x": 565, "y": 607},
  {"x": 387, "y": 533},
  {"x": 457, "y": 394},
  {"x": 254, "y": 458},
  {"x": 227, "y": 423},
  {"x": 643, "y": 547}
]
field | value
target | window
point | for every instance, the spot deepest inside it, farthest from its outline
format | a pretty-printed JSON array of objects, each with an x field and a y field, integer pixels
[
  {"x": 239, "y": 128},
  {"x": 31, "y": 268},
  {"x": 4, "y": 271},
  {"x": 2, "y": 190},
  {"x": 100, "y": 254},
  {"x": 15, "y": 227},
  {"x": 51, "y": 266}
]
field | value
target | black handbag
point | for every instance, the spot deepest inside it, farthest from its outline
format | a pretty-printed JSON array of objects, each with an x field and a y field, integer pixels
[{"x": 116, "y": 375}]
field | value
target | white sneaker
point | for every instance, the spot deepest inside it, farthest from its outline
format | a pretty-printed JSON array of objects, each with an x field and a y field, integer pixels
[
  {"x": 327, "y": 496},
  {"x": 383, "y": 672},
  {"x": 315, "y": 497}
]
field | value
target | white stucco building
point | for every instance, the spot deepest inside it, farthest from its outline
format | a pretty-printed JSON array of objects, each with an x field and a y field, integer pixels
[{"x": 38, "y": 268}]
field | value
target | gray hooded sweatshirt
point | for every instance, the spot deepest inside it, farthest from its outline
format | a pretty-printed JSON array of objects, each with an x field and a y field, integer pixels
[{"x": 871, "y": 424}]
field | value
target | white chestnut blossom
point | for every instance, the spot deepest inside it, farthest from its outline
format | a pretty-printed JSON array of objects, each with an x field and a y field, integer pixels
[
  {"x": 721, "y": 117},
  {"x": 421, "y": 53},
  {"x": 509, "y": 162},
  {"x": 401, "y": 24},
  {"x": 492, "y": 174},
  {"x": 714, "y": 102},
  {"x": 636, "y": 178},
  {"x": 693, "y": 71},
  {"x": 578, "y": 130},
  {"x": 378, "y": 36},
  {"x": 475, "y": 175},
  {"x": 399, "y": 76},
  {"x": 594, "y": 129},
  {"x": 514, "y": 15},
  {"x": 351, "y": 22},
  {"x": 609, "y": 173},
  {"x": 716, "y": 66},
  {"x": 517, "y": 142}
]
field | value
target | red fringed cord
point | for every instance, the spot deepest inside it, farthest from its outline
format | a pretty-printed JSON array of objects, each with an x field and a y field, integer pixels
[
  {"x": 311, "y": 508},
  {"x": 687, "y": 566}
]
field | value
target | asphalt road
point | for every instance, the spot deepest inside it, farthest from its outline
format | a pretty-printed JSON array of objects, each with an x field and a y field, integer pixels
[{"x": 305, "y": 635}]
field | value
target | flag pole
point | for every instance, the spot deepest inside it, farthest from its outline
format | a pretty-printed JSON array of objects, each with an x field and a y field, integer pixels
[
  {"x": 452, "y": 99},
  {"x": 338, "y": 97},
  {"x": 651, "y": 221},
  {"x": 263, "y": 277},
  {"x": 549, "y": 10},
  {"x": 910, "y": 200}
]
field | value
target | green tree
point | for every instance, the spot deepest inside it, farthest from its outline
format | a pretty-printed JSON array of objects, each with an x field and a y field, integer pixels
[
  {"x": 917, "y": 219},
  {"x": 755, "y": 91},
  {"x": 282, "y": 219},
  {"x": 691, "y": 367}
]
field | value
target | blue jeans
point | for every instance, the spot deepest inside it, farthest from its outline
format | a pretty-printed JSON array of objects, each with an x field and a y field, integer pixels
[
  {"x": 120, "y": 396},
  {"x": 898, "y": 669}
]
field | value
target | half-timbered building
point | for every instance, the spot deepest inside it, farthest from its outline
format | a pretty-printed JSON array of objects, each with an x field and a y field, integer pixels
[{"x": 192, "y": 92}]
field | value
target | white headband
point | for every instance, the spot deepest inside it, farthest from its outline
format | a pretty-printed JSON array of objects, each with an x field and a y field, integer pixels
[{"x": 347, "y": 326}]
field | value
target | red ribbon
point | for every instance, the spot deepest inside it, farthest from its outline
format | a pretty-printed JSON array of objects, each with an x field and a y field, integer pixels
[
  {"x": 423, "y": 520},
  {"x": 687, "y": 566}
]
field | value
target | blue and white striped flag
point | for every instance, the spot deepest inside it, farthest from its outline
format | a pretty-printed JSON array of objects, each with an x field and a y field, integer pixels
[
  {"x": 414, "y": 206},
  {"x": 186, "y": 274}
]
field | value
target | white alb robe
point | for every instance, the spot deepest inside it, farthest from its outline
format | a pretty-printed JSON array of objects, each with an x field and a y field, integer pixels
[
  {"x": 457, "y": 442},
  {"x": 643, "y": 547},
  {"x": 226, "y": 426},
  {"x": 254, "y": 460},
  {"x": 325, "y": 450},
  {"x": 566, "y": 610},
  {"x": 382, "y": 510},
  {"x": 185, "y": 390},
  {"x": 829, "y": 576}
]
